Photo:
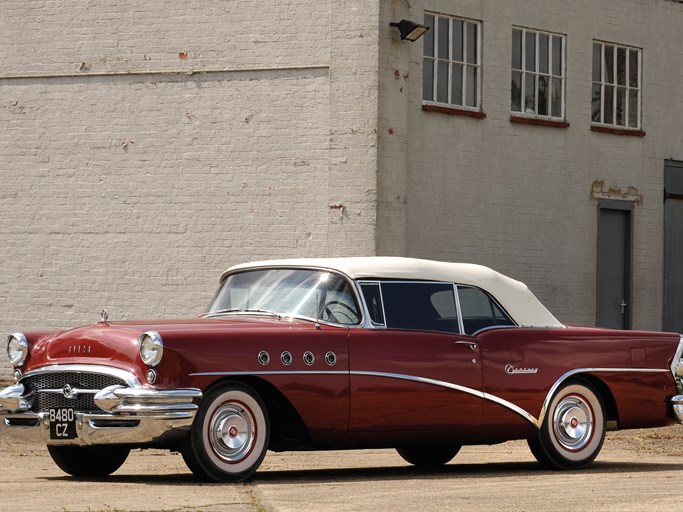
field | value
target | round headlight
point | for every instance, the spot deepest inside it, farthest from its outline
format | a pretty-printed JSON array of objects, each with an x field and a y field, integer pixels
[
  {"x": 151, "y": 348},
  {"x": 17, "y": 348}
]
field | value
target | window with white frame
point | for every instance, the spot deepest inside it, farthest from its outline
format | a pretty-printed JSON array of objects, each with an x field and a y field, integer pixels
[
  {"x": 615, "y": 98},
  {"x": 451, "y": 74},
  {"x": 538, "y": 79}
]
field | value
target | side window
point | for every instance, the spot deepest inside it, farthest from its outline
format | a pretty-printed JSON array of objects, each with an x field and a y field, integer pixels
[
  {"x": 373, "y": 299},
  {"x": 420, "y": 306},
  {"x": 479, "y": 310}
]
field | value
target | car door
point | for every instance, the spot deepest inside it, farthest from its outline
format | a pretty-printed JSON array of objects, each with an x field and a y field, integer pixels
[{"x": 413, "y": 371}]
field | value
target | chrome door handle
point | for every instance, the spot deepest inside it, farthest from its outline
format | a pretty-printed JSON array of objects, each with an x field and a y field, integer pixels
[{"x": 471, "y": 344}]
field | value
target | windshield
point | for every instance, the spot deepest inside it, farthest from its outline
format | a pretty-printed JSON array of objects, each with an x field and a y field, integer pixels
[{"x": 309, "y": 294}]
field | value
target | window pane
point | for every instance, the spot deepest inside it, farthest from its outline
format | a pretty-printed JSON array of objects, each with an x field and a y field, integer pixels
[
  {"x": 420, "y": 306},
  {"x": 621, "y": 66},
  {"x": 543, "y": 53},
  {"x": 633, "y": 108},
  {"x": 608, "y": 105},
  {"x": 516, "y": 49},
  {"x": 633, "y": 69},
  {"x": 516, "y": 92},
  {"x": 609, "y": 64},
  {"x": 557, "y": 56},
  {"x": 530, "y": 51},
  {"x": 597, "y": 60},
  {"x": 471, "y": 86},
  {"x": 542, "y": 95},
  {"x": 429, "y": 36},
  {"x": 457, "y": 41},
  {"x": 479, "y": 311},
  {"x": 595, "y": 103},
  {"x": 471, "y": 43},
  {"x": 530, "y": 94},
  {"x": 443, "y": 38},
  {"x": 428, "y": 80},
  {"x": 621, "y": 106},
  {"x": 442, "y": 81},
  {"x": 556, "y": 97},
  {"x": 373, "y": 300},
  {"x": 456, "y": 84}
]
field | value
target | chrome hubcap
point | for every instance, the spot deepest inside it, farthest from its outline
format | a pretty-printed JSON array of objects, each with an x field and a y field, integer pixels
[
  {"x": 573, "y": 423},
  {"x": 232, "y": 432}
]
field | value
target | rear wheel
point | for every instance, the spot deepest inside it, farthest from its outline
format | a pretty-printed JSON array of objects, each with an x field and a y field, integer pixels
[
  {"x": 430, "y": 456},
  {"x": 573, "y": 429},
  {"x": 89, "y": 461},
  {"x": 230, "y": 434}
]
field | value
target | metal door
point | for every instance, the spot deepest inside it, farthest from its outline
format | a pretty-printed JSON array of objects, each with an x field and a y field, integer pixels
[
  {"x": 673, "y": 246},
  {"x": 613, "y": 296},
  {"x": 409, "y": 380}
]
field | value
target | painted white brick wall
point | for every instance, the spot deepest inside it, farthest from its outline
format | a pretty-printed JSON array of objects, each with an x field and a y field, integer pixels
[
  {"x": 516, "y": 197},
  {"x": 130, "y": 187}
]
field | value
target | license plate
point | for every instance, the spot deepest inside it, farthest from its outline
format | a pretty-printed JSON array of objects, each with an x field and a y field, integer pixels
[{"x": 62, "y": 423}]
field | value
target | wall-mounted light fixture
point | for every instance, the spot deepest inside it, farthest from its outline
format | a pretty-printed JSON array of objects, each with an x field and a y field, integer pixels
[{"x": 409, "y": 30}]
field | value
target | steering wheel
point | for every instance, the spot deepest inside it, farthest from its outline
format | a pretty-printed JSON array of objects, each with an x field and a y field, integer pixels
[{"x": 344, "y": 310}]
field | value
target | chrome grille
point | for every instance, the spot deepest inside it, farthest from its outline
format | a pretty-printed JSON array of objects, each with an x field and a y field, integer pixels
[{"x": 83, "y": 402}]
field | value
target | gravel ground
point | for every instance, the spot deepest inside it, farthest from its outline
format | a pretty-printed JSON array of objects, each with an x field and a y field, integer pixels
[{"x": 637, "y": 470}]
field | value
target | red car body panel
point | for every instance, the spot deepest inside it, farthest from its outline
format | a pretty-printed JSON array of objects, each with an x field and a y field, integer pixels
[{"x": 376, "y": 384}]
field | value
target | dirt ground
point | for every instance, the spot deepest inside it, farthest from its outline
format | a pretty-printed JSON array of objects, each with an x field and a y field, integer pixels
[{"x": 636, "y": 470}]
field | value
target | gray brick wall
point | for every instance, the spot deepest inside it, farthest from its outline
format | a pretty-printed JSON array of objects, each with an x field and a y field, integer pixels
[
  {"x": 145, "y": 148},
  {"x": 519, "y": 198}
]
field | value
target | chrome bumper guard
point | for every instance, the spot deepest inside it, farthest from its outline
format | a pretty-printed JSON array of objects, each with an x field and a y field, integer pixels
[
  {"x": 132, "y": 415},
  {"x": 677, "y": 402}
]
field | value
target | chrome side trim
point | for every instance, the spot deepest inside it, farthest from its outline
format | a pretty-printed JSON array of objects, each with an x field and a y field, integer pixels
[
  {"x": 536, "y": 421},
  {"x": 276, "y": 372},
  {"x": 463, "y": 389}
]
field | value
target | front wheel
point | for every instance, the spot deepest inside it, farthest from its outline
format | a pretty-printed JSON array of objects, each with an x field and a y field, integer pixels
[
  {"x": 89, "y": 461},
  {"x": 229, "y": 436},
  {"x": 428, "y": 456},
  {"x": 573, "y": 429}
]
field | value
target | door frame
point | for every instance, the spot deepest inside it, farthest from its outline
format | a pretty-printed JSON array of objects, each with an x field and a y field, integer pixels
[
  {"x": 670, "y": 192},
  {"x": 628, "y": 206}
]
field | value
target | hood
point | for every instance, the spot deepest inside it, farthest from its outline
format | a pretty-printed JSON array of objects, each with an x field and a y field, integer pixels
[{"x": 116, "y": 343}]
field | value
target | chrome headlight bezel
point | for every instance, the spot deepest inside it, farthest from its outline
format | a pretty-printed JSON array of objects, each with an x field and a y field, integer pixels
[
  {"x": 151, "y": 348},
  {"x": 17, "y": 348}
]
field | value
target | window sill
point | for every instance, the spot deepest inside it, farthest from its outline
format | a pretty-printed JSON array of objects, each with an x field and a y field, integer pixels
[
  {"x": 454, "y": 111},
  {"x": 618, "y": 131},
  {"x": 534, "y": 121}
]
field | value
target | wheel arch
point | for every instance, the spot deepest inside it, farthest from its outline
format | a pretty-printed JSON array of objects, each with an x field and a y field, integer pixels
[
  {"x": 287, "y": 429},
  {"x": 608, "y": 401}
]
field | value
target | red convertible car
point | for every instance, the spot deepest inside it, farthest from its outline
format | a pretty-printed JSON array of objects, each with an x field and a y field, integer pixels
[{"x": 416, "y": 355}]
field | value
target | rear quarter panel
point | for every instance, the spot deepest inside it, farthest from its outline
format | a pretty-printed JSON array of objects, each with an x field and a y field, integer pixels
[{"x": 630, "y": 366}]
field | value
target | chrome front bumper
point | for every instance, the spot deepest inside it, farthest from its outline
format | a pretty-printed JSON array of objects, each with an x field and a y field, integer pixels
[
  {"x": 130, "y": 415},
  {"x": 677, "y": 403}
]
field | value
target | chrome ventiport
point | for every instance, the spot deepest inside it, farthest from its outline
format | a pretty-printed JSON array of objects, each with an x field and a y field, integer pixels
[
  {"x": 309, "y": 358},
  {"x": 263, "y": 357},
  {"x": 286, "y": 358}
]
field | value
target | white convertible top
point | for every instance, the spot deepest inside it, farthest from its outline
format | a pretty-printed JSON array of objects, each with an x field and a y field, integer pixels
[{"x": 513, "y": 295}]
